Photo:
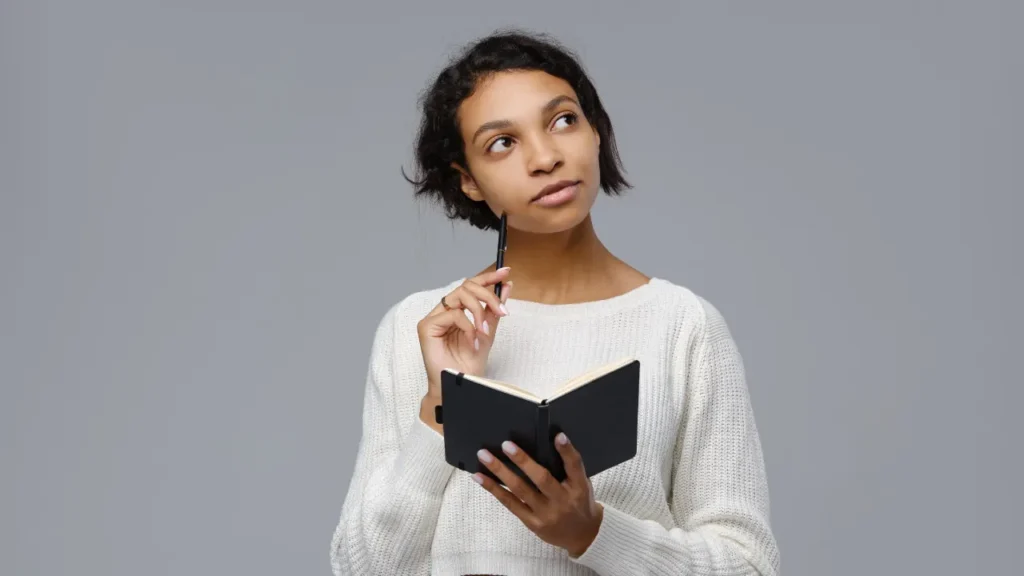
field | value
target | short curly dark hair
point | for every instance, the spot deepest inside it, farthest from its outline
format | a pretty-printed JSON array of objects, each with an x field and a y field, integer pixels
[{"x": 439, "y": 142}]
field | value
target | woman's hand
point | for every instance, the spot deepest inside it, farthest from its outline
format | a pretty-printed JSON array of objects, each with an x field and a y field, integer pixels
[
  {"x": 563, "y": 514},
  {"x": 448, "y": 339}
]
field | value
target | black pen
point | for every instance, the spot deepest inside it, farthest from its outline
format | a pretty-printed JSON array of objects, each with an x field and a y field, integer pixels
[{"x": 502, "y": 232}]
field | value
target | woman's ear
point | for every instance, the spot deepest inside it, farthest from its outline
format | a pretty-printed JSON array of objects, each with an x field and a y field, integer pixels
[{"x": 468, "y": 184}]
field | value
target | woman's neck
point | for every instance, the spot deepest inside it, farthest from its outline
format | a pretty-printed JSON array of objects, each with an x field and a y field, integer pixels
[{"x": 567, "y": 267}]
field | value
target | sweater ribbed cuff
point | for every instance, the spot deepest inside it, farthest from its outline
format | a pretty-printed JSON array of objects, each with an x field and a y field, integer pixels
[
  {"x": 620, "y": 547},
  {"x": 421, "y": 462}
]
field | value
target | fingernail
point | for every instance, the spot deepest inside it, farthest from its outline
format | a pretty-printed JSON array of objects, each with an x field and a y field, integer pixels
[
  {"x": 487, "y": 329},
  {"x": 503, "y": 268},
  {"x": 503, "y": 309},
  {"x": 478, "y": 479},
  {"x": 476, "y": 343},
  {"x": 562, "y": 439},
  {"x": 484, "y": 456},
  {"x": 509, "y": 447}
]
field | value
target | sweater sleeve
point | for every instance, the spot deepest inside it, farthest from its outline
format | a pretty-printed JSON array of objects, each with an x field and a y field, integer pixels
[
  {"x": 391, "y": 507},
  {"x": 719, "y": 497}
]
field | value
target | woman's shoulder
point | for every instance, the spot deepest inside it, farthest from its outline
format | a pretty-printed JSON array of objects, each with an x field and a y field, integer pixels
[
  {"x": 693, "y": 319},
  {"x": 699, "y": 323},
  {"x": 684, "y": 302}
]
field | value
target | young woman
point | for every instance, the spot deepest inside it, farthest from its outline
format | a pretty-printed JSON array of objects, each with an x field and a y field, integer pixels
[{"x": 514, "y": 126}]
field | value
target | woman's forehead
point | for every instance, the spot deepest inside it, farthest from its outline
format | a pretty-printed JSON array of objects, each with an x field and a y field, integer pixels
[{"x": 512, "y": 96}]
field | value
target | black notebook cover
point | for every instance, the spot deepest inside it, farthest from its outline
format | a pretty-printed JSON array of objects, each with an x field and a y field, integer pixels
[{"x": 599, "y": 417}]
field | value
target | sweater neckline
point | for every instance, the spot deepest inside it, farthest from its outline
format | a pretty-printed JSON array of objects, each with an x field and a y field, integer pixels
[{"x": 638, "y": 295}]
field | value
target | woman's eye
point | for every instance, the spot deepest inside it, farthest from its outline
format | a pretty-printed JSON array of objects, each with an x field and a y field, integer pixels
[
  {"x": 567, "y": 120},
  {"x": 494, "y": 147}
]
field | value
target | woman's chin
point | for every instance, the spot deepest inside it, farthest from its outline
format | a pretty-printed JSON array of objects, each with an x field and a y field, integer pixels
[{"x": 554, "y": 221}]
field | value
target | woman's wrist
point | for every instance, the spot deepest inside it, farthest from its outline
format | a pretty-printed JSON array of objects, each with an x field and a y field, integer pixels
[{"x": 427, "y": 406}]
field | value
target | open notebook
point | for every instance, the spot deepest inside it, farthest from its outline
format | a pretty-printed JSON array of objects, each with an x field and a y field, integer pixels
[{"x": 597, "y": 410}]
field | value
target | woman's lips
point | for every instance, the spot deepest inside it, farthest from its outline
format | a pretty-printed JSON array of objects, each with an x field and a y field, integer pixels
[{"x": 564, "y": 193}]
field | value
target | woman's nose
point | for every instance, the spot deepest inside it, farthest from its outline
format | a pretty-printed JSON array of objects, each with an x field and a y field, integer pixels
[{"x": 544, "y": 156}]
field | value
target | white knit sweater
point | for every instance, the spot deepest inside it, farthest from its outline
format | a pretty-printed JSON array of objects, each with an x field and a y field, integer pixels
[{"x": 693, "y": 501}]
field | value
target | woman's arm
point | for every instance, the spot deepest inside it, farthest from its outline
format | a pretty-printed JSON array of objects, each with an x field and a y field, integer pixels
[
  {"x": 719, "y": 487},
  {"x": 390, "y": 511}
]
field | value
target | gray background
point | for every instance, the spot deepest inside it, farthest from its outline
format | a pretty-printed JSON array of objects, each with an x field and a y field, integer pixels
[{"x": 202, "y": 220}]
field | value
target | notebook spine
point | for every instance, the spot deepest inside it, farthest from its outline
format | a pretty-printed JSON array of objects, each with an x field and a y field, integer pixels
[
  {"x": 543, "y": 443},
  {"x": 439, "y": 409}
]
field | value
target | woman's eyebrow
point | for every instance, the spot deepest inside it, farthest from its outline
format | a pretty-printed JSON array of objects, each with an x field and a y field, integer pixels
[
  {"x": 492, "y": 125},
  {"x": 558, "y": 100},
  {"x": 503, "y": 124}
]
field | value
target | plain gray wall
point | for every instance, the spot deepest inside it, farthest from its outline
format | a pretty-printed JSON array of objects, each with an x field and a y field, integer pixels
[{"x": 202, "y": 220}]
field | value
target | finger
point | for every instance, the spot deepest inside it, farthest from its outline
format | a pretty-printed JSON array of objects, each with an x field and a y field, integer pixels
[
  {"x": 460, "y": 300},
  {"x": 505, "y": 289},
  {"x": 484, "y": 305},
  {"x": 494, "y": 304},
  {"x": 454, "y": 319},
  {"x": 575, "y": 472},
  {"x": 459, "y": 319},
  {"x": 519, "y": 487},
  {"x": 484, "y": 280},
  {"x": 491, "y": 278},
  {"x": 507, "y": 499},
  {"x": 539, "y": 475},
  {"x": 463, "y": 297},
  {"x": 496, "y": 318},
  {"x": 492, "y": 311}
]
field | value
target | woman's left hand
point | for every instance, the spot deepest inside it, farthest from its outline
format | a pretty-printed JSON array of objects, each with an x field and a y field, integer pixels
[{"x": 563, "y": 513}]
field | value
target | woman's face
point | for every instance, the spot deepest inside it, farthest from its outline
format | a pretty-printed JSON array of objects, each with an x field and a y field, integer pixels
[{"x": 530, "y": 151}]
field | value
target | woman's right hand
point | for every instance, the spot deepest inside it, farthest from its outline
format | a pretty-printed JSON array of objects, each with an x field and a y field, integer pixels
[{"x": 448, "y": 339}]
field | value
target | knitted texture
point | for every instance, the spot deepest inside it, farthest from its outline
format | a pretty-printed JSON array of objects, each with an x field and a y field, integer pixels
[{"x": 693, "y": 501}]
